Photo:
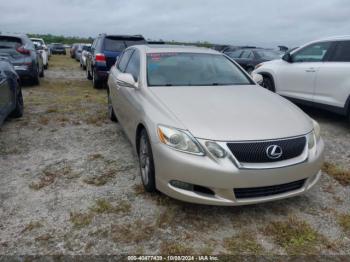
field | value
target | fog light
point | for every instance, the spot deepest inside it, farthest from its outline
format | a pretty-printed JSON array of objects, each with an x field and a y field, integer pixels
[
  {"x": 215, "y": 149},
  {"x": 181, "y": 185}
]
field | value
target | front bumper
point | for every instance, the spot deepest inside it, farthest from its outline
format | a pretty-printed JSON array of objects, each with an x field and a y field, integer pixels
[{"x": 223, "y": 176}]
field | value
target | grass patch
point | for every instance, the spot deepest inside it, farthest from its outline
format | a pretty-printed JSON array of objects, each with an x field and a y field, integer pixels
[
  {"x": 175, "y": 248},
  {"x": 243, "y": 244},
  {"x": 338, "y": 173},
  {"x": 139, "y": 189},
  {"x": 104, "y": 206},
  {"x": 133, "y": 232},
  {"x": 45, "y": 237},
  {"x": 31, "y": 226},
  {"x": 80, "y": 220},
  {"x": 50, "y": 174},
  {"x": 295, "y": 236},
  {"x": 101, "y": 179},
  {"x": 95, "y": 157},
  {"x": 344, "y": 222}
]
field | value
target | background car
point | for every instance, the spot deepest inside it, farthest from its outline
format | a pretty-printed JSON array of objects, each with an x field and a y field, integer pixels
[
  {"x": 86, "y": 50},
  {"x": 72, "y": 50},
  {"x": 57, "y": 48},
  {"x": 41, "y": 50},
  {"x": 104, "y": 52},
  {"x": 20, "y": 51},
  {"x": 45, "y": 50},
  {"x": 79, "y": 50},
  {"x": 11, "y": 99},
  {"x": 248, "y": 58},
  {"x": 315, "y": 74}
]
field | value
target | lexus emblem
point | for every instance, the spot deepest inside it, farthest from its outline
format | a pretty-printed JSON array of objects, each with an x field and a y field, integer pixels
[{"x": 274, "y": 152}]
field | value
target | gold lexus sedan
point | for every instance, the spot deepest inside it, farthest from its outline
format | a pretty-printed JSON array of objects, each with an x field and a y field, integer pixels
[{"x": 206, "y": 132}]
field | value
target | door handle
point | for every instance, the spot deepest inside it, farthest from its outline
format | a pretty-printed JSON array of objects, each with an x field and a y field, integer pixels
[{"x": 310, "y": 70}]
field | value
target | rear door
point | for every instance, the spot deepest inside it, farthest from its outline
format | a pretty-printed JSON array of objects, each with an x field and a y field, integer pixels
[
  {"x": 5, "y": 94},
  {"x": 297, "y": 79},
  {"x": 333, "y": 77}
]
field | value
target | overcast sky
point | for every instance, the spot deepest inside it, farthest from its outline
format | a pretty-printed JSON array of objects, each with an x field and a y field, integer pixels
[{"x": 253, "y": 22}]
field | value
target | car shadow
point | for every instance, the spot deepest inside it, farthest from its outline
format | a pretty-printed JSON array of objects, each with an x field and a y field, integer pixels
[{"x": 326, "y": 117}]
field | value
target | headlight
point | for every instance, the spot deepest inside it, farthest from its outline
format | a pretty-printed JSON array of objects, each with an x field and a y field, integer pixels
[
  {"x": 314, "y": 136},
  {"x": 179, "y": 140},
  {"x": 258, "y": 65},
  {"x": 215, "y": 149},
  {"x": 317, "y": 130}
]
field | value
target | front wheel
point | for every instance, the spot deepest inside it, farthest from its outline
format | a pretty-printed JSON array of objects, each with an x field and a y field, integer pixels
[
  {"x": 146, "y": 163},
  {"x": 88, "y": 75},
  {"x": 111, "y": 114},
  {"x": 18, "y": 112},
  {"x": 268, "y": 84}
]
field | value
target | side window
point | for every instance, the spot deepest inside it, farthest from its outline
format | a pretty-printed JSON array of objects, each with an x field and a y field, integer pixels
[
  {"x": 134, "y": 65},
  {"x": 312, "y": 53},
  {"x": 235, "y": 54},
  {"x": 246, "y": 55},
  {"x": 341, "y": 52},
  {"x": 123, "y": 62}
]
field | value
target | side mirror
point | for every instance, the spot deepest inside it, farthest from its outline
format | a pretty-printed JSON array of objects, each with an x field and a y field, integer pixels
[
  {"x": 127, "y": 80},
  {"x": 258, "y": 78},
  {"x": 287, "y": 57}
]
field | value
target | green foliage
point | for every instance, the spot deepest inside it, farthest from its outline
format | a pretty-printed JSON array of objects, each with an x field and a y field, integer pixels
[{"x": 49, "y": 38}]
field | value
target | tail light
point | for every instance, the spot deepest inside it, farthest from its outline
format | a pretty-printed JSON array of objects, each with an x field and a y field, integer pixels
[
  {"x": 100, "y": 58},
  {"x": 22, "y": 50}
]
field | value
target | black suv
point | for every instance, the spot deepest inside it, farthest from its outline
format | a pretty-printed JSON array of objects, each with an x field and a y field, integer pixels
[
  {"x": 21, "y": 52},
  {"x": 104, "y": 52}
]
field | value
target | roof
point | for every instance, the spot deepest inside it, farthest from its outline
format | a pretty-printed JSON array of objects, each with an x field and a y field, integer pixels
[
  {"x": 175, "y": 48},
  {"x": 332, "y": 38},
  {"x": 12, "y": 34}
]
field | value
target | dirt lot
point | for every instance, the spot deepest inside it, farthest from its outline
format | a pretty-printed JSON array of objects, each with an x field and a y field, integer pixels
[{"x": 69, "y": 184}]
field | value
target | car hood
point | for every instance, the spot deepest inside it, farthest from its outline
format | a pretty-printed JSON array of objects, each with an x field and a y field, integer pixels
[{"x": 229, "y": 113}]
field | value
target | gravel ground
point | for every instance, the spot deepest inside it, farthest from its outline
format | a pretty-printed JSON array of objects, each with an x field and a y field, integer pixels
[{"x": 70, "y": 184}]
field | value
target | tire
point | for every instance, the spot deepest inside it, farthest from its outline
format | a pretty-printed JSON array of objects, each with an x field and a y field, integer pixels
[
  {"x": 42, "y": 73},
  {"x": 36, "y": 79},
  {"x": 84, "y": 67},
  {"x": 46, "y": 66},
  {"x": 268, "y": 83},
  {"x": 18, "y": 111},
  {"x": 250, "y": 70},
  {"x": 146, "y": 163},
  {"x": 111, "y": 114},
  {"x": 88, "y": 75},
  {"x": 96, "y": 83}
]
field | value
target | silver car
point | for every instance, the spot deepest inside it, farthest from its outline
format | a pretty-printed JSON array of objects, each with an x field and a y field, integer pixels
[{"x": 206, "y": 132}]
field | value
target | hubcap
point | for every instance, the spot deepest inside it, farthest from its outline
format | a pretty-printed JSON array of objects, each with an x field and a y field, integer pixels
[{"x": 144, "y": 160}]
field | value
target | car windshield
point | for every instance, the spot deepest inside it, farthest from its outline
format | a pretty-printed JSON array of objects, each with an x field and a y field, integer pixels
[
  {"x": 192, "y": 69},
  {"x": 57, "y": 45},
  {"x": 269, "y": 54}
]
